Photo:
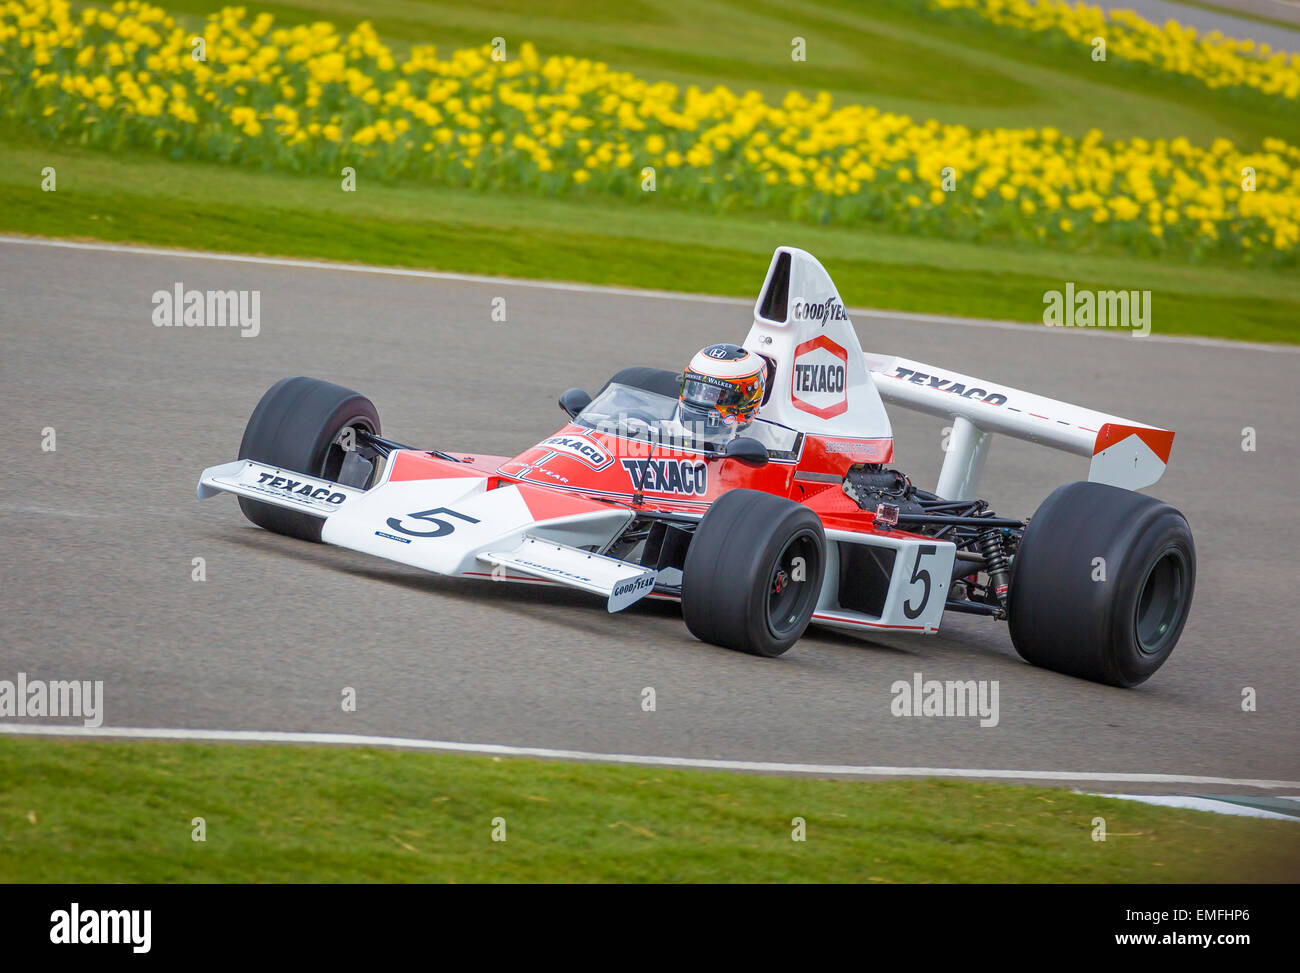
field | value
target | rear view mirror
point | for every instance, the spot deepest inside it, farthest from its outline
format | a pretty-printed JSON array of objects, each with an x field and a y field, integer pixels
[
  {"x": 574, "y": 401},
  {"x": 746, "y": 450}
]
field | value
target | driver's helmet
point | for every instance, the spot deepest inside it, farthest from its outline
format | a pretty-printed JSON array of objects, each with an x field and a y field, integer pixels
[{"x": 722, "y": 387}]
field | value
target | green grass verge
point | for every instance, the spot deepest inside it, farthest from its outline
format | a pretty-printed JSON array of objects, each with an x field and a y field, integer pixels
[
  {"x": 122, "y": 812},
  {"x": 652, "y": 244}
]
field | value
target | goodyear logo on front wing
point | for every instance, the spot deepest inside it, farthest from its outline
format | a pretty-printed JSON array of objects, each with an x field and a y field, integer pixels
[
  {"x": 580, "y": 447},
  {"x": 643, "y": 583},
  {"x": 683, "y": 476},
  {"x": 629, "y": 590}
]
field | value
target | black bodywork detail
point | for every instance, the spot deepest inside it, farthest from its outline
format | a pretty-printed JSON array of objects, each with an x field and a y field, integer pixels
[
  {"x": 662, "y": 381},
  {"x": 776, "y": 299},
  {"x": 382, "y": 447},
  {"x": 665, "y": 546},
  {"x": 864, "y": 577}
]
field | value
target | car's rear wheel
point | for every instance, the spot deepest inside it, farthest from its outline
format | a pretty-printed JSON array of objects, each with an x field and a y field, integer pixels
[
  {"x": 753, "y": 572},
  {"x": 1102, "y": 584},
  {"x": 306, "y": 426}
]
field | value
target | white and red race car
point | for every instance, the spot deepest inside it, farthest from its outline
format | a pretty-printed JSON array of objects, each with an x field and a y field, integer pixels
[{"x": 797, "y": 521}]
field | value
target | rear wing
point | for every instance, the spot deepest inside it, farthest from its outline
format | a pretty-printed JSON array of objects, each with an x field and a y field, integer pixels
[{"x": 1123, "y": 452}]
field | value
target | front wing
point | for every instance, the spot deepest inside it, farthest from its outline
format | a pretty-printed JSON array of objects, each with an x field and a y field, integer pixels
[{"x": 451, "y": 523}]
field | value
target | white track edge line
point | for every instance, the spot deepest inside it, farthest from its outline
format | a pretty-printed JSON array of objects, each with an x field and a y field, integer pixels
[
  {"x": 701, "y": 763},
  {"x": 619, "y": 291},
  {"x": 1208, "y": 805}
]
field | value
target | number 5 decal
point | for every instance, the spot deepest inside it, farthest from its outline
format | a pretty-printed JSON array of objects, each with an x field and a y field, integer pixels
[
  {"x": 917, "y": 575},
  {"x": 442, "y": 528}
]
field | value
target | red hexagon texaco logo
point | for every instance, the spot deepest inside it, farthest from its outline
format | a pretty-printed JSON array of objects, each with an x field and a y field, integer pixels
[{"x": 820, "y": 382}]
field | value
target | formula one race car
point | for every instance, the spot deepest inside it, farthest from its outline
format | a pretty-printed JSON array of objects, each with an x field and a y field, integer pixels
[{"x": 776, "y": 512}]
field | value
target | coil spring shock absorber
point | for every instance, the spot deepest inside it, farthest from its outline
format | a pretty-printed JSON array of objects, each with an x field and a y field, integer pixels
[{"x": 996, "y": 562}]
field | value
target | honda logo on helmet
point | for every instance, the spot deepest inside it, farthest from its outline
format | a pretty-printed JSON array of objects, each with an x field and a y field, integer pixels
[{"x": 724, "y": 352}]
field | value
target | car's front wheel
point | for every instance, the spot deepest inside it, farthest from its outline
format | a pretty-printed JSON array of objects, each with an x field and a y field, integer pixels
[
  {"x": 1102, "y": 584},
  {"x": 753, "y": 572},
  {"x": 306, "y": 426}
]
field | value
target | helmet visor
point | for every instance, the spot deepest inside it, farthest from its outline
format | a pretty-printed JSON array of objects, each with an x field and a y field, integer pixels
[{"x": 725, "y": 395}]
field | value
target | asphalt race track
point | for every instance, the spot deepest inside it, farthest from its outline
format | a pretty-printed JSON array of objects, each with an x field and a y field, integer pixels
[
  {"x": 99, "y": 536},
  {"x": 1231, "y": 17}
]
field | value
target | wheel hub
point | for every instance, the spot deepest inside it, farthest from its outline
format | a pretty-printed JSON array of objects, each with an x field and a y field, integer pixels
[{"x": 1160, "y": 602}]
